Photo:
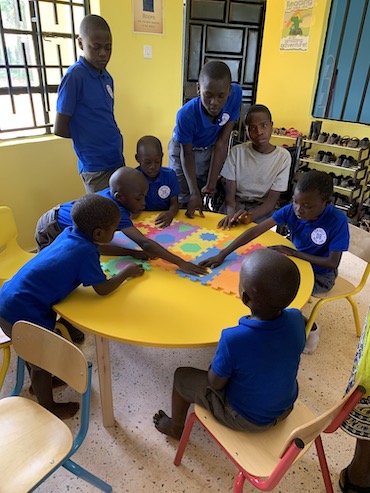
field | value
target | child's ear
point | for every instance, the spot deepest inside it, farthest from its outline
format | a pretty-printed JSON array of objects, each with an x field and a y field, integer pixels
[
  {"x": 198, "y": 89},
  {"x": 245, "y": 298},
  {"x": 80, "y": 44},
  {"x": 137, "y": 158},
  {"x": 118, "y": 196},
  {"x": 96, "y": 235}
]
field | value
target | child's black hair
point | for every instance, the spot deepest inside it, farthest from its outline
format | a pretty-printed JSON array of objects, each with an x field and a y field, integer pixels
[
  {"x": 316, "y": 180},
  {"x": 93, "y": 211},
  {"x": 92, "y": 23},
  {"x": 149, "y": 140},
  {"x": 215, "y": 70},
  {"x": 257, "y": 108}
]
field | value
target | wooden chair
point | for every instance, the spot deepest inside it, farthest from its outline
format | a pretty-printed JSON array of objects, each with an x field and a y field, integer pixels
[
  {"x": 360, "y": 246},
  {"x": 263, "y": 458},
  {"x": 33, "y": 441}
]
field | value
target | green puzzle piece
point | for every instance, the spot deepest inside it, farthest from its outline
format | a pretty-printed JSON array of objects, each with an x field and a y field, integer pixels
[{"x": 110, "y": 267}]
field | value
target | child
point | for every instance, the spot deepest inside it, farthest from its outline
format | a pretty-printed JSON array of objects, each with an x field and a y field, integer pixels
[
  {"x": 252, "y": 382},
  {"x": 198, "y": 148},
  {"x": 256, "y": 171},
  {"x": 318, "y": 230},
  {"x": 47, "y": 279},
  {"x": 128, "y": 188},
  {"x": 85, "y": 107},
  {"x": 163, "y": 185}
]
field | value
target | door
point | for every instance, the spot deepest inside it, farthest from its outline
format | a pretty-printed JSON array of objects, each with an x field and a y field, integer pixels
[{"x": 225, "y": 30}]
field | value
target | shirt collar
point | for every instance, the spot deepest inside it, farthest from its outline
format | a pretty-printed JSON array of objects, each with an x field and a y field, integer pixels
[{"x": 94, "y": 73}]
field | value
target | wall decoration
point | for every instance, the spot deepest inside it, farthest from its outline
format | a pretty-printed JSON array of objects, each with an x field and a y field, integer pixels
[{"x": 296, "y": 25}]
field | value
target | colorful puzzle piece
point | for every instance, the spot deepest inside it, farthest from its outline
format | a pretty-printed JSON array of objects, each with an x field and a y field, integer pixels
[{"x": 115, "y": 265}]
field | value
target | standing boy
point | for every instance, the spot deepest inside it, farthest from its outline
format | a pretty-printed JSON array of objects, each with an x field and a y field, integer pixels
[
  {"x": 85, "y": 107},
  {"x": 198, "y": 148},
  {"x": 163, "y": 185},
  {"x": 252, "y": 382}
]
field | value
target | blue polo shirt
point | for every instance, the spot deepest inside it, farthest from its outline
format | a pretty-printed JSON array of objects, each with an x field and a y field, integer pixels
[
  {"x": 86, "y": 96},
  {"x": 64, "y": 218},
  {"x": 49, "y": 277},
  {"x": 193, "y": 125},
  {"x": 328, "y": 233},
  {"x": 261, "y": 358},
  {"x": 161, "y": 190}
]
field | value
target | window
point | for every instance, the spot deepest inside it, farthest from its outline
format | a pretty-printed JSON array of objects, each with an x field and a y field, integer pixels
[
  {"x": 38, "y": 43},
  {"x": 343, "y": 90}
]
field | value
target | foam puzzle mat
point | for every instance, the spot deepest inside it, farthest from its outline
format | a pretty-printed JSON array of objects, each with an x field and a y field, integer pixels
[{"x": 191, "y": 243}]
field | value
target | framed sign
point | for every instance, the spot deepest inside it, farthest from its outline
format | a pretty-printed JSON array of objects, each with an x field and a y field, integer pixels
[{"x": 148, "y": 16}]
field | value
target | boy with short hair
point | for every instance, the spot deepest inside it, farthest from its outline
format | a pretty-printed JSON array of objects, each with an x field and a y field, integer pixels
[
  {"x": 256, "y": 171},
  {"x": 198, "y": 148},
  {"x": 252, "y": 382},
  {"x": 85, "y": 107},
  {"x": 72, "y": 259},
  {"x": 163, "y": 185}
]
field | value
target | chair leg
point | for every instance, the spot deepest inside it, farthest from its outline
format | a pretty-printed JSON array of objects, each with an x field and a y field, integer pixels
[
  {"x": 313, "y": 315},
  {"x": 184, "y": 438},
  {"x": 19, "y": 378},
  {"x": 323, "y": 465},
  {"x": 80, "y": 472},
  {"x": 5, "y": 363},
  {"x": 239, "y": 482},
  {"x": 355, "y": 315}
]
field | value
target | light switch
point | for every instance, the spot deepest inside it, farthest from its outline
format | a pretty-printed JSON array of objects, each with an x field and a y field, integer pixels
[{"x": 148, "y": 51}]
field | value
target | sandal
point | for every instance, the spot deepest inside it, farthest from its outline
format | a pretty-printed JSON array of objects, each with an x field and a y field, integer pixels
[
  {"x": 348, "y": 486},
  {"x": 353, "y": 142},
  {"x": 344, "y": 140}
]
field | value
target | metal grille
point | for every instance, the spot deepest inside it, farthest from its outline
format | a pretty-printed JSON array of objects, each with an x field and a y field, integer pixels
[{"x": 38, "y": 42}]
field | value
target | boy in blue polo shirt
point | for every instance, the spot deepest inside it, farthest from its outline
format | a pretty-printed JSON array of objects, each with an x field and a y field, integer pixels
[
  {"x": 48, "y": 278},
  {"x": 198, "y": 148},
  {"x": 85, "y": 107},
  {"x": 252, "y": 382},
  {"x": 163, "y": 185}
]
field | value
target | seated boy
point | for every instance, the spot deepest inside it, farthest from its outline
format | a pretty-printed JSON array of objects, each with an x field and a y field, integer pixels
[
  {"x": 198, "y": 148},
  {"x": 163, "y": 185},
  {"x": 256, "y": 172},
  {"x": 252, "y": 382},
  {"x": 317, "y": 228},
  {"x": 72, "y": 259}
]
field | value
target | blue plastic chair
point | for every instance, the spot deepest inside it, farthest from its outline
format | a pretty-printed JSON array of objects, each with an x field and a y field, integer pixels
[{"x": 33, "y": 441}]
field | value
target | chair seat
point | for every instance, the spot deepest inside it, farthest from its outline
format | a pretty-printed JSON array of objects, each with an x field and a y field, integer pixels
[
  {"x": 32, "y": 442},
  {"x": 257, "y": 453},
  {"x": 340, "y": 288}
]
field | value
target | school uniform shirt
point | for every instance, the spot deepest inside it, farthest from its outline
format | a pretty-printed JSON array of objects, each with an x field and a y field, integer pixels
[
  {"x": 49, "y": 277},
  {"x": 261, "y": 358},
  {"x": 64, "y": 218},
  {"x": 328, "y": 233},
  {"x": 87, "y": 97},
  {"x": 161, "y": 190},
  {"x": 256, "y": 173},
  {"x": 193, "y": 125}
]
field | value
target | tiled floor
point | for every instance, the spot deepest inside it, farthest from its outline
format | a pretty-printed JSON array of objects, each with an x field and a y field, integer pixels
[{"x": 134, "y": 457}]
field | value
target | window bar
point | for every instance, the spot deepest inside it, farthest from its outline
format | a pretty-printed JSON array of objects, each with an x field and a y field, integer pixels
[
  {"x": 29, "y": 88},
  {"x": 60, "y": 61},
  {"x": 73, "y": 32},
  {"x": 364, "y": 94},
  {"x": 55, "y": 12},
  {"x": 6, "y": 59},
  {"x": 19, "y": 10}
]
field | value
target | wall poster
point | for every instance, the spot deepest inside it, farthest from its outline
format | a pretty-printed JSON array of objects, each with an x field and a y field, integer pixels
[
  {"x": 148, "y": 16},
  {"x": 296, "y": 25}
]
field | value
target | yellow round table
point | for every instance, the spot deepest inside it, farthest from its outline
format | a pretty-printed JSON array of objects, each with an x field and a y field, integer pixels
[{"x": 163, "y": 309}]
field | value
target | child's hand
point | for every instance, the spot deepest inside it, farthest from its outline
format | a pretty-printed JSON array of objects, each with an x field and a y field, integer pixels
[
  {"x": 189, "y": 268},
  {"x": 133, "y": 270},
  {"x": 164, "y": 219},
  {"x": 227, "y": 222},
  {"x": 195, "y": 203},
  {"x": 284, "y": 249},
  {"x": 140, "y": 255},
  {"x": 212, "y": 262},
  {"x": 241, "y": 216}
]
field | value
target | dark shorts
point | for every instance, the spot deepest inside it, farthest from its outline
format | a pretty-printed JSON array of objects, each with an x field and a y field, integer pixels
[
  {"x": 324, "y": 282},
  {"x": 47, "y": 228},
  {"x": 193, "y": 386}
]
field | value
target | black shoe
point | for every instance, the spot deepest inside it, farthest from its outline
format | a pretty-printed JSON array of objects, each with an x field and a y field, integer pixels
[{"x": 76, "y": 335}]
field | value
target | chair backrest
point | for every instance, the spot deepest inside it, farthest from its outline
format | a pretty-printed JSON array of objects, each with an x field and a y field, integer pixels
[
  {"x": 312, "y": 429},
  {"x": 51, "y": 352},
  {"x": 359, "y": 243}
]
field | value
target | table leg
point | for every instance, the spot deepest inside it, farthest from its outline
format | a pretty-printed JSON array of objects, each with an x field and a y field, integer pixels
[{"x": 105, "y": 380}]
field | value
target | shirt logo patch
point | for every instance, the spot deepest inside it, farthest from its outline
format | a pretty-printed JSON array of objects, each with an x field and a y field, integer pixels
[
  {"x": 224, "y": 119},
  {"x": 109, "y": 90},
  {"x": 318, "y": 236},
  {"x": 164, "y": 192}
]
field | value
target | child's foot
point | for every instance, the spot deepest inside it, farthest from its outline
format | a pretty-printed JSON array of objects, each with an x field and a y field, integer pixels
[
  {"x": 65, "y": 410},
  {"x": 56, "y": 382},
  {"x": 163, "y": 423},
  {"x": 312, "y": 340}
]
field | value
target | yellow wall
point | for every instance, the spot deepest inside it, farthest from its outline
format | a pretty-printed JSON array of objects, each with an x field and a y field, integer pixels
[{"x": 287, "y": 80}]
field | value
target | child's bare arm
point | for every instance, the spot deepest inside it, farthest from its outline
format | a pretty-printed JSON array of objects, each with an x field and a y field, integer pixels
[
  {"x": 154, "y": 249},
  {"x": 165, "y": 218},
  {"x": 215, "y": 381},
  {"x": 116, "y": 250},
  {"x": 61, "y": 126},
  {"x": 195, "y": 202},
  {"x": 241, "y": 240},
  {"x": 106, "y": 287},
  {"x": 218, "y": 157},
  {"x": 331, "y": 262},
  {"x": 230, "y": 202},
  {"x": 267, "y": 206}
]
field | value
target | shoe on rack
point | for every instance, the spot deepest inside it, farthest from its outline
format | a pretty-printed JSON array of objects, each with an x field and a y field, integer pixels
[
  {"x": 333, "y": 139},
  {"x": 323, "y": 137},
  {"x": 312, "y": 340},
  {"x": 76, "y": 335},
  {"x": 364, "y": 143},
  {"x": 353, "y": 142}
]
